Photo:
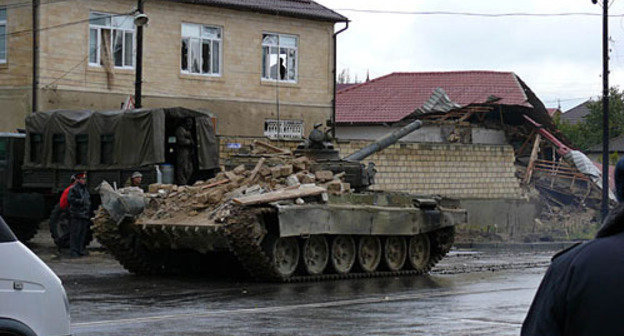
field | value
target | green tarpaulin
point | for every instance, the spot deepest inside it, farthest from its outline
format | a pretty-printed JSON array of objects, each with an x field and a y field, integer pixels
[{"x": 137, "y": 137}]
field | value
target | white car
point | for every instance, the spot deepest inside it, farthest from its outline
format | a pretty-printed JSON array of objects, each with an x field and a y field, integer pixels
[{"x": 32, "y": 298}]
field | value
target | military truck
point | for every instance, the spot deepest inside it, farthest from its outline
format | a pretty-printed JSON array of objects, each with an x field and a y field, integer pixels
[
  {"x": 36, "y": 166},
  {"x": 277, "y": 225}
]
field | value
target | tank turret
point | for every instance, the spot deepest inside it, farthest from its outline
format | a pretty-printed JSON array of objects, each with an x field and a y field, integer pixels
[{"x": 360, "y": 176}]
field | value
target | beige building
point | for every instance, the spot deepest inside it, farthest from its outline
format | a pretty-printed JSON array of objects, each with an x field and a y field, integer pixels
[{"x": 249, "y": 64}]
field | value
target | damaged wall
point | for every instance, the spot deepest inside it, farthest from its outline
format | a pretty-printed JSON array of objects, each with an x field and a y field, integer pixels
[
  {"x": 455, "y": 170},
  {"x": 427, "y": 133}
]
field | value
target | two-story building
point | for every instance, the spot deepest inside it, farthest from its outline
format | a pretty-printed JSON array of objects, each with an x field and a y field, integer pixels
[{"x": 250, "y": 63}]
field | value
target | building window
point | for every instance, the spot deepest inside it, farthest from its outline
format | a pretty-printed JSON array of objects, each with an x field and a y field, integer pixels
[
  {"x": 58, "y": 148},
  {"x": 82, "y": 149},
  {"x": 36, "y": 147},
  {"x": 283, "y": 129},
  {"x": 106, "y": 148},
  {"x": 201, "y": 49},
  {"x": 3, "y": 36},
  {"x": 111, "y": 40},
  {"x": 279, "y": 57}
]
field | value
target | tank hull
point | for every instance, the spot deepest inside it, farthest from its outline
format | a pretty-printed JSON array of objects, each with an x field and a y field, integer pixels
[{"x": 272, "y": 242}]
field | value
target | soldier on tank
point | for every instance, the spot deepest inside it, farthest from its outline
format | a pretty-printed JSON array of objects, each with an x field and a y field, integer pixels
[
  {"x": 134, "y": 180},
  {"x": 184, "y": 158},
  {"x": 79, "y": 201}
]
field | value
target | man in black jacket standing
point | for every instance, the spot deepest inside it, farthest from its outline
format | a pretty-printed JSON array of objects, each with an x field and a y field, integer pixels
[
  {"x": 582, "y": 292},
  {"x": 79, "y": 210}
]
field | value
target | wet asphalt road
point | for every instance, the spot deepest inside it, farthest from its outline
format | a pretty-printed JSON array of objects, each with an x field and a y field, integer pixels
[{"x": 469, "y": 293}]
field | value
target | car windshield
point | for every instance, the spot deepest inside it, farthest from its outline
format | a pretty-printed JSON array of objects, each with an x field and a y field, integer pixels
[{"x": 5, "y": 233}]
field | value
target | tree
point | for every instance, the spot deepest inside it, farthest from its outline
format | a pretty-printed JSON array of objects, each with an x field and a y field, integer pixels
[
  {"x": 344, "y": 77},
  {"x": 588, "y": 133}
]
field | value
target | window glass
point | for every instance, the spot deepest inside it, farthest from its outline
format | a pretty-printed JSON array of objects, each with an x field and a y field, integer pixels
[
  {"x": 111, "y": 40},
  {"x": 279, "y": 57},
  {"x": 99, "y": 19},
  {"x": 2, "y": 42},
  {"x": 118, "y": 47},
  {"x": 185, "y": 51},
  {"x": 58, "y": 148},
  {"x": 93, "y": 39},
  {"x": 82, "y": 149},
  {"x": 190, "y": 30},
  {"x": 128, "y": 49},
  {"x": 2, "y": 35},
  {"x": 200, "y": 51},
  {"x": 106, "y": 148},
  {"x": 195, "y": 59}
]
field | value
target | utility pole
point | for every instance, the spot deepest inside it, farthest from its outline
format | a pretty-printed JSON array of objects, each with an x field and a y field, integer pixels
[
  {"x": 605, "y": 109},
  {"x": 35, "y": 56},
  {"x": 139, "y": 60}
]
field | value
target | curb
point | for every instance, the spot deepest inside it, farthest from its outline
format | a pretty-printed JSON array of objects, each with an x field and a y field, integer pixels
[{"x": 526, "y": 247}]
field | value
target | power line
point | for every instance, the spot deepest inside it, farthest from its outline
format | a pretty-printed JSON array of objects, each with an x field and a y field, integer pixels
[
  {"x": 488, "y": 15},
  {"x": 61, "y": 25}
]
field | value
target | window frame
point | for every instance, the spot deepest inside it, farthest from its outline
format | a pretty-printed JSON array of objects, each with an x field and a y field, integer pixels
[
  {"x": 201, "y": 39},
  {"x": 79, "y": 139},
  {"x": 98, "y": 28},
  {"x": 5, "y": 37},
  {"x": 278, "y": 46}
]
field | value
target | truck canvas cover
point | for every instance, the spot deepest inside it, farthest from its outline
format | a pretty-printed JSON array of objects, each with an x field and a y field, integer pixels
[{"x": 138, "y": 137}]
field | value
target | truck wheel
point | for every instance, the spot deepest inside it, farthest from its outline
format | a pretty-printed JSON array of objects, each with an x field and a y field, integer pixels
[
  {"x": 59, "y": 227},
  {"x": 24, "y": 229}
]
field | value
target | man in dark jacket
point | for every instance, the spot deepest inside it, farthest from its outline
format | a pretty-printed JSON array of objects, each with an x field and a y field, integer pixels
[
  {"x": 582, "y": 292},
  {"x": 79, "y": 210}
]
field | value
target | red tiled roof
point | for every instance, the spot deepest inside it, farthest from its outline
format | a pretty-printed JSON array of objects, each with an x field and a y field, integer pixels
[
  {"x": 552, "y": 111},
  {"x": 392, "y": 97}
]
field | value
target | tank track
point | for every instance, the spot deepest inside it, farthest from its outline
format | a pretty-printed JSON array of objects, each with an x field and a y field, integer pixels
[
  {"x": 244, "y": 229},
  {"x": 241, "y": 231},
  {"x": 125, "y": 247}
]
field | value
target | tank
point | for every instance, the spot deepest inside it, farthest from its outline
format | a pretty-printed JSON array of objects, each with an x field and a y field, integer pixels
[{"x": 310, "y": 217}]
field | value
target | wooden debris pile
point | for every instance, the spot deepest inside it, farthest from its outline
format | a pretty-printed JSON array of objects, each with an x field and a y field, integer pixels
[{"x": 291, "y": 180}]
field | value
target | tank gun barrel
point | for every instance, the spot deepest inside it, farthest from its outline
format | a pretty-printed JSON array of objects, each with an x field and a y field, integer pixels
[{"x": 384, "y": 142}]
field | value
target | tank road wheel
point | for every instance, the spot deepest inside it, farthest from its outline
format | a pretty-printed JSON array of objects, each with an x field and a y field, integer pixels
[
  {"x": 285, "y": 255},
  {"x": 369, "y": 253},
  {"x": 343, "y": 254},
  {"x": 395, "y": 253},
  {"x": 418, "y": 252},
  {"x": 315, "y": 254}
]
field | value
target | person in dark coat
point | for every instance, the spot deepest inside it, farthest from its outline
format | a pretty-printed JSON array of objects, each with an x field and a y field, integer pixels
[
  {"x": 79, "y": 210},
  {"x": 582, "y": 292},
  {"x": 184, "y": 156}
]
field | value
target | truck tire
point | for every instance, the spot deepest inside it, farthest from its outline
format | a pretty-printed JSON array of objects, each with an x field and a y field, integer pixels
[
  {"x": 24, "y": 229},
  {"x": 59, "y": 227}
]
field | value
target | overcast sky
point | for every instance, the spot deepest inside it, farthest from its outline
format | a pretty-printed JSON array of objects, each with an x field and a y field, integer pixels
[{"x": 560, "y": 58}]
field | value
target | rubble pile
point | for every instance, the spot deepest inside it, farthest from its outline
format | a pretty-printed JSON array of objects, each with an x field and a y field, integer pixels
[{"x": 290, "y": 180}]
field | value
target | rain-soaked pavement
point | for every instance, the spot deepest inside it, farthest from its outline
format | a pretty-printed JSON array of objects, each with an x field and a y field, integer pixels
[{"x": 470, "y": 293}]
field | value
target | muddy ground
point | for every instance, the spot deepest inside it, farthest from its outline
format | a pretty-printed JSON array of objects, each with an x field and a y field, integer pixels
[{"x": 484, "y": 290}]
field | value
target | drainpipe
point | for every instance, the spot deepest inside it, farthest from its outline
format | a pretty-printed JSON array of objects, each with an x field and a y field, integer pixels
[
  {"x": 35, "y": 59},
  {"x": 139, "y": 62},
  {"x": 333, "y": 115}
]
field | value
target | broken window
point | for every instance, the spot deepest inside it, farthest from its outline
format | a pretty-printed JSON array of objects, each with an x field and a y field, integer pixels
[
  {"x": 106, "y": 148},
  {"x": 3, "y": 39},
  {"x": 36, "y": 147},
  {"x": 111, "y": 40},
  {"x": 201, "y": 47},
  {"x": 82, "y": 149},
  {"x": 58, "y": 148},
  {"x": 283, "y": 129},
  {"x": 279, "y": 57}
]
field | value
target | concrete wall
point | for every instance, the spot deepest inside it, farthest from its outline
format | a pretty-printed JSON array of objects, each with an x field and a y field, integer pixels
[
  {"x": 238, "y": 97},
  {"x": 510, "y": 218},
  {"x": 427, "y": 133}
]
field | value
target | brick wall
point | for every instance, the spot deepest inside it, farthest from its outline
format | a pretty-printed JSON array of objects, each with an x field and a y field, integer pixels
[
  {"x": 456, "y": 170},
  {"x": 239, "y": 98}
]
